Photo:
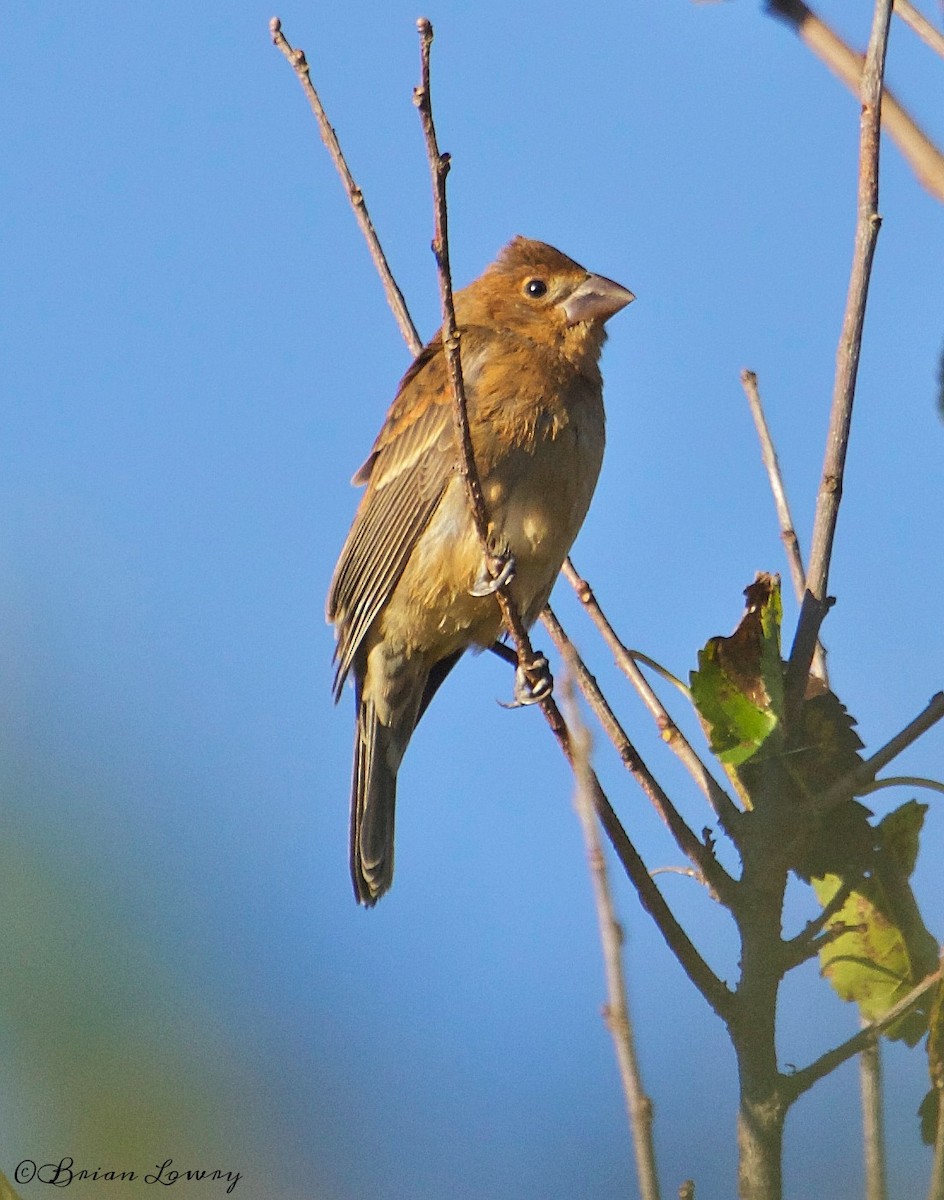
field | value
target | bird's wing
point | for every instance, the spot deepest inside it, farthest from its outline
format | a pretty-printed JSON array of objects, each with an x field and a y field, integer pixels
[{"x": 406, "y": 474}]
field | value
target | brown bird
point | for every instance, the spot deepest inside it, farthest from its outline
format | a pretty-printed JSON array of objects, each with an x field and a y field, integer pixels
[{"x": 412, "y": 591}]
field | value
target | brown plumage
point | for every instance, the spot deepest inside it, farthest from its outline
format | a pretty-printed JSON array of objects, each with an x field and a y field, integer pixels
[{"x": 531, "y": 334}]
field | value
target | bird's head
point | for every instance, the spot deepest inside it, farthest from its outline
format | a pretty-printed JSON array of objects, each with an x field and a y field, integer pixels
[{"x": 536, "y": 292}]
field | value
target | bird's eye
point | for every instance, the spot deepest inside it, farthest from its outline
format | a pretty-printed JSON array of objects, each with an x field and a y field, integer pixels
[{"x": 535, "y": 288}]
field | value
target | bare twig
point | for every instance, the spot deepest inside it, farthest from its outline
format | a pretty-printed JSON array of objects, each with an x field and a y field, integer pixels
[
  {"x": 864, "y": 773},
  {"x": 788, "y": 533},
  {"x": 439, "y": 168},
  {"x": 921, "y": 25},
  {"x": 815, "y": 603},
  {"x": 801, "y": 1081},
  {"x": 354, "y": 194},
  {"x": 922, "y": 155},
  {"x": 616, "y": 1011},
  {"x": 725, "y": 809},
  {"x": 711, "y": 871}
]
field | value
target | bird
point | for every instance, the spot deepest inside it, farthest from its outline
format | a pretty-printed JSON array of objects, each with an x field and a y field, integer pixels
[{"x": 413, "y": 589}]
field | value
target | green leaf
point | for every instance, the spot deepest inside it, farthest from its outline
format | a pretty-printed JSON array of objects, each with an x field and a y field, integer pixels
[
  {"x": 738, "y": 687},
  {"x": 885, "y": 948}
]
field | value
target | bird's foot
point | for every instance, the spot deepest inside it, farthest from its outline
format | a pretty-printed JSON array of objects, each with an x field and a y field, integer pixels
[
  {"x": 533, "y": 683},
  {"x": 497, "y": 570}
]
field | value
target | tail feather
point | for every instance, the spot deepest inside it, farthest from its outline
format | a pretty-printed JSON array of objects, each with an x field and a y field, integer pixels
[
  {"x": 378, "y": 751},
  {"x": 373, "y": 804}
]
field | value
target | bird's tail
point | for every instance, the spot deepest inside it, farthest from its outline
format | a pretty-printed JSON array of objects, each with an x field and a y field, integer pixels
[{"x": 378, "y": 750}]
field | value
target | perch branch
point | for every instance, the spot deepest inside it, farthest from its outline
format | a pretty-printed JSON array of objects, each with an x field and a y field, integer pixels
[
  {"x": 717, "y": 994},
  {"x": 439, "y": 168}
]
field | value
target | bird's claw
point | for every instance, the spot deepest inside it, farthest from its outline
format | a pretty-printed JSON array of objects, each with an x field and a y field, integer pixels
[
  {"x": 532, "y": 684},
  {"x": 495, "y": 573}
]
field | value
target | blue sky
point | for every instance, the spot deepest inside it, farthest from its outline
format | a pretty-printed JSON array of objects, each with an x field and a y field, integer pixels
[{"x": 197, "y": 356}]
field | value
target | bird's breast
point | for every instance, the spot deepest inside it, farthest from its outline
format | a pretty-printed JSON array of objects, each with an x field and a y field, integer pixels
[{"x": 537, "y": 495}]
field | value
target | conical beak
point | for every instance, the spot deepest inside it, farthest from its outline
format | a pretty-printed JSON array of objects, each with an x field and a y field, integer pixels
[{"x": 596, "y": 299}]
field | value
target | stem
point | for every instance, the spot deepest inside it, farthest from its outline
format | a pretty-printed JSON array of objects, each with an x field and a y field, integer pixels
[
  {"x": 815, "y": 602},
  {"x": 762, "y": 1106}
]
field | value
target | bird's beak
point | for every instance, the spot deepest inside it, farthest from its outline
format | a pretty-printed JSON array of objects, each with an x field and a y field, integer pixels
[{"x": 596, "y": 299}]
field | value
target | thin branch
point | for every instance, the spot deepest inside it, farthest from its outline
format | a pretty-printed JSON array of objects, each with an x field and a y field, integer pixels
[
  {"x": 616, "y": 1011},
  {"x": 924, "y": 158},
  {"x": 788, "y": 533},
  {"x": 853, "y": 783},
  {"x": 921, "y": 25},
  {"x": 815, "y": 603},
  {"x": 717, "y": 879},
  {"x": 354, "y": 194},
  {"x": 725, "y": 809},
  {"x": 801, "y": 1081},
  {"x": 439, "y": 168}
]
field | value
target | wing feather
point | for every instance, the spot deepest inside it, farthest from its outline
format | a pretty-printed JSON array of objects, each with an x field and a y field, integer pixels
[{"x": 408, "y": 470}]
